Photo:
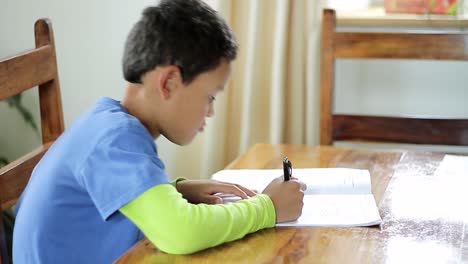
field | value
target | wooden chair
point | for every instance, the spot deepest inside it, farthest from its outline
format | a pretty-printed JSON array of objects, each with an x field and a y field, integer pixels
[
  {"x": 37, "y": 67},
  {"x": 3, "y": 246},
  {"x": 379, "y": 45}
]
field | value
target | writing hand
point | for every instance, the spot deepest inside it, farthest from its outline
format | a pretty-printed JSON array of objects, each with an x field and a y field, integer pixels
[{"x": 287, "y": 197}]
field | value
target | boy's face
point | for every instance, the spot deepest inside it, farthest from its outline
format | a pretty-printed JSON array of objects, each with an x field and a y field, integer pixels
[{"x": 189, "y": 105}]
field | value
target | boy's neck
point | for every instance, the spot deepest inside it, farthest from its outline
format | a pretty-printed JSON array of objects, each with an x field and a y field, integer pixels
[{"x": 134, "y": 101}]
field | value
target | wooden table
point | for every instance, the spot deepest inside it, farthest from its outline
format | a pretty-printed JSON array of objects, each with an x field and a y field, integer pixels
[{"x": 424, "y": 214}]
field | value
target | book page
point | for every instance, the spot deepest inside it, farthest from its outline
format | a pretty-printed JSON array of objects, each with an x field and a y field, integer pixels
[
  {"x": 318, "y": 181},
  {"x": 335, "y": 180},
  {"x": 338, "y": 210},
  {"x": 334, "y": 196}
]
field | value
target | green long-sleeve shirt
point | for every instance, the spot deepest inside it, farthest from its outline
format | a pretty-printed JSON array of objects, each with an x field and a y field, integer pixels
[{"x": 178, "y": 227}]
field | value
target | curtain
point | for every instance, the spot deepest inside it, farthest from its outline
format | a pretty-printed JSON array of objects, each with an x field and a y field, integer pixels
[{"x": 272, "y": 96}]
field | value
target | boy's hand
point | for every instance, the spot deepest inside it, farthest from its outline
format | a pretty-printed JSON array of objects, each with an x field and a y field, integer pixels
[
  {"x": 287, "y": 197},
  {"x": 202, "y": 191}
]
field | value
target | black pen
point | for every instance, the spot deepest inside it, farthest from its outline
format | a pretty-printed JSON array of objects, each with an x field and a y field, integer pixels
[{"x": 287, "y": 169}]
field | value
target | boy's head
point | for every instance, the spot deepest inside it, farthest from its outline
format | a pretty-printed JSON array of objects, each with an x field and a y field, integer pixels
[
  {"x": 185, "y": 33},
  {"x": 176, "y": 60}
]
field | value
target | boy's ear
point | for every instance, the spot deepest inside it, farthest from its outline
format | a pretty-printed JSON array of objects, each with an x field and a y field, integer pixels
[{"x": 169, "y": 79}]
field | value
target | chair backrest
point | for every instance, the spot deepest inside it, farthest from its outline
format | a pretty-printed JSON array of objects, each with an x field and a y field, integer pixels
[
  {"x": 37, "y": 67},
  {"x": 386, "y": 45}
]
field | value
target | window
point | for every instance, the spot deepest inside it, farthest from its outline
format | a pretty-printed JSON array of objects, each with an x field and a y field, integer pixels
[{"x": 401, "y": 13}]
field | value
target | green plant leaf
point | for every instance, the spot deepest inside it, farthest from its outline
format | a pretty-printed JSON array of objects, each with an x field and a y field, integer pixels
[
  {"x": 452, "y": 10},
  {"x": 3, "y": 161},
  {"x": 15, "y": 102}
]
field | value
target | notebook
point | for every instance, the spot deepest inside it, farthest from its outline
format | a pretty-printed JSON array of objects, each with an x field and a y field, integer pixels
[{"x": 335, "y": 197}]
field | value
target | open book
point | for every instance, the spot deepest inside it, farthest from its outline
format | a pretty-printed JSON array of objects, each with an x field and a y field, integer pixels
[{"x": 334, "y": 196}]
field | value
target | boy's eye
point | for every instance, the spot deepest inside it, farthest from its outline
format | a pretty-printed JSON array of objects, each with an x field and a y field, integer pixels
[{"x": 212, "y": 98}]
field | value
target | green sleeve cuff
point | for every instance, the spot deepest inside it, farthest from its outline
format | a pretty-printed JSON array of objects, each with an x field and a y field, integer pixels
[
  {"x": 178, "y": 227},
  {"x": 174, "y": 183},
  {"x": 265, "y": 214}
]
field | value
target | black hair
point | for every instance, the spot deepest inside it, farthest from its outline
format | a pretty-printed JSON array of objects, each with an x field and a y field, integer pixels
[{"x": 186, "y": 33}]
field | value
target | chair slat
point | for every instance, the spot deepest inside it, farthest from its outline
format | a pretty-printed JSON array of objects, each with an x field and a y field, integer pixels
[
  {"x": 35, "y": 67},
  {"x": 15, "y": 176},
  {"x": 445, "y": 46},
  {"x": 401, "y": 130}
]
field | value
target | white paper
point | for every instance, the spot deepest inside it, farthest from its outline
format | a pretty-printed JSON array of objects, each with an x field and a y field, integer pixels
[
  {"x": 453, "y": 165},
  {"x": 334, "y": 196}
]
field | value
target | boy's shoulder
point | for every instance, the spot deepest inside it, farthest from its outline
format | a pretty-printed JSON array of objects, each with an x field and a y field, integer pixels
[
  {"x": 109, "y": 116},
  {"x": 107, "y": 120}
]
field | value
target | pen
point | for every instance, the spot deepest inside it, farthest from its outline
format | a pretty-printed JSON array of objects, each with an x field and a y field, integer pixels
[{"x": 287, "y": 169}]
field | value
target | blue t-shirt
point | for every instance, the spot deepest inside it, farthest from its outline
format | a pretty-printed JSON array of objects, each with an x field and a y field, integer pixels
[{"x": 68, "y": 212}]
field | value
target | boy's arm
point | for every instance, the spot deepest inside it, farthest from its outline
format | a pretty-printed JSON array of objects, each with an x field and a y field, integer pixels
[{"x": 178, "y": 227}]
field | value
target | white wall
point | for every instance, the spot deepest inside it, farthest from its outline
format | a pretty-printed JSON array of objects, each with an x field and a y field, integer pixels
[
  {"x": 89, "y": 38},
  {"x": 399, "y": 87}
]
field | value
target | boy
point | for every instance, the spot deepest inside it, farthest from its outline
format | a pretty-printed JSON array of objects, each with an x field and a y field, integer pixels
[{"x": 102, "y": 181}]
